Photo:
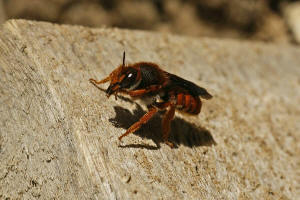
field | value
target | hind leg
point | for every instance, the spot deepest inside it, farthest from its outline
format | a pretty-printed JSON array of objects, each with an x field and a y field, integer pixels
[{"x": 166, "y": 124}]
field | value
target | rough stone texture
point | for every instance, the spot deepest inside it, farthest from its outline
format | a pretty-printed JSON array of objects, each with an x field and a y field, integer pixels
[
  {"x": 292, "y": 16},
  {"x": 2, "y": 13},
  {"x": 38, "y": 10},
  {"x": 87, "y": 14},
  {"x": 58, "y": 132},
  {"x": 243, "y": 19},
  {"x": 136, "y": 14},
  {"x": 273, "y": 28}
]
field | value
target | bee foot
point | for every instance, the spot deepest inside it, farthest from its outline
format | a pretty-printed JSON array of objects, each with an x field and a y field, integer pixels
[{"x": 170, "y": 144}]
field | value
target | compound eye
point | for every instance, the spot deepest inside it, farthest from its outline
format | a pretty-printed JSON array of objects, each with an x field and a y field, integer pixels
[
  {"x": 129, "y": 80},
  {"x": 130, "y": 77}
]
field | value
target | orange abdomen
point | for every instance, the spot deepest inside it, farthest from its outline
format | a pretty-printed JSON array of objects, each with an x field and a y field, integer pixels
[{"x": 188, "y": 103}]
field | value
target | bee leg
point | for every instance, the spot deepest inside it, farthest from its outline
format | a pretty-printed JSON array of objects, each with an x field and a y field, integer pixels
[
  {"x": 136, "y": 126},
  {"x": 140, "y": 92},
  {"x": 137, "y": 93},
  {"x": 99, "y": 82},
  {"x": 166, "y": 122}
]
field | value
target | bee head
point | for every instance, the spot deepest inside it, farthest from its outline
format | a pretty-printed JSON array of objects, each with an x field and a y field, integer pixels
[{"x": 123, "y": 78}]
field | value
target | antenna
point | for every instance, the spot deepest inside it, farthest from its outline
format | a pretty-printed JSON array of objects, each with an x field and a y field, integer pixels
[{"x": 124, "y": 59}]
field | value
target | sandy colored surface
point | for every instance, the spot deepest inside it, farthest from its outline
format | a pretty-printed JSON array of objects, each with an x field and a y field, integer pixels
[{"x": 58, "y": 133}]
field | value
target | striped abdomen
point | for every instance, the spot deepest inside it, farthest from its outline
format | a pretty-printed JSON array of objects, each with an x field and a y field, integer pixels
[{"x": 188, "y": 103}]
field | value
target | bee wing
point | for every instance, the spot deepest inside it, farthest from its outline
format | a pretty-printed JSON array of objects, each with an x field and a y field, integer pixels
[
  {"x": 203, "y": 93},
  {"x": 194, "y": 89}
]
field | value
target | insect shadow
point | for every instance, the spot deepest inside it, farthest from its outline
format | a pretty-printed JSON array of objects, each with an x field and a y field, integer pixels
[{"x": 182, "y": 132}]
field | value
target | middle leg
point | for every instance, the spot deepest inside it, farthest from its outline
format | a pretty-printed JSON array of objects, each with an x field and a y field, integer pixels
[{"x": 136, "y": 126}]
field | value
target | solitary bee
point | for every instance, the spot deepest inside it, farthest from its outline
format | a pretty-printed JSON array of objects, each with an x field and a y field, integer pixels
[{"x": 158, "y": 89}]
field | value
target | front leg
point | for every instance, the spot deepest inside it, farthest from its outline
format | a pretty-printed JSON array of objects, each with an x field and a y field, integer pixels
[
  {"x": 136, "y": 93},
  {"x": 99, "y": 82},
  {"x": 141, "y": 92},
  {"x": 109, "y": 78}
]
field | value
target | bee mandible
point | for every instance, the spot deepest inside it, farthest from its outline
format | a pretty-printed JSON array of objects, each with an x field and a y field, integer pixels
[{"x": 158, "y": 89}]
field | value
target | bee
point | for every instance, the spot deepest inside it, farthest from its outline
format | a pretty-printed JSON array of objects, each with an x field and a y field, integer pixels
[{"x": 158, "y": 89}]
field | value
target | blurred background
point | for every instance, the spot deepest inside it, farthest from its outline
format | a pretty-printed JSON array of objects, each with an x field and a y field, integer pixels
[{"x": 262, "y": 20}]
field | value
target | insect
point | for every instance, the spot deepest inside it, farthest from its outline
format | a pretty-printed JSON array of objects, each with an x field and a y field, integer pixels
[{"x": 158, "y": 89}]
